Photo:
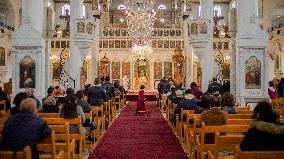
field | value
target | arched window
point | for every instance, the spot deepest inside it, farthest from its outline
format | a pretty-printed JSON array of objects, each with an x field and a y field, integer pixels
[
  {"x": 233, "y": 4},
  {"x": 65, "y": 9},
  {"x": 84, "y": 11},
  {"x": 162, "y": 7},
  {"x": 121, "y": 7},
  {"x": 217, "y": 10}
]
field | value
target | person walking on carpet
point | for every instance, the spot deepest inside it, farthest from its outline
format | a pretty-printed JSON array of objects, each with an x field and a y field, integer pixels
[{"x": 141, "y": 103}]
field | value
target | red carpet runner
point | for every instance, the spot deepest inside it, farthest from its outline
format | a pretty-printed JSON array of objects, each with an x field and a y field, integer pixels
[{"x": 139, "y": 137}]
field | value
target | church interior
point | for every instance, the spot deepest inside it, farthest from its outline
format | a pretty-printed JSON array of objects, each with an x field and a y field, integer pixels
[{"x": 131, "y": 79}]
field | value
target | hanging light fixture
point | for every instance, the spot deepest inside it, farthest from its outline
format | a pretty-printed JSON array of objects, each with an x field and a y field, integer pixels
[{"x": 140, "y": 16}]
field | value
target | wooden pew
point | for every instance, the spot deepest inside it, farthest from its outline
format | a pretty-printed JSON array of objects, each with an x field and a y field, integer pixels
[
  {"x": 210, "y": 155},
  {"x": 239, "y": 154},
  {"x": 99, "y": 118},
  {"x": 5, "y": 115},
  {"x": 80, "y": 136},
  {"x": 3, "y": 102},
  {"x": 62, "y": 134},
  {"x": 244, "y": 112},
  {"x": 25, "y": 154},
  {"x": 202, "y": 147}
]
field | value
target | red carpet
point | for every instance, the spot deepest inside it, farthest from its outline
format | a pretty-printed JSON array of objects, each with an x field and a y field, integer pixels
[
  {"x": 139, "y": 137},
  {"x": 132, "y": 96}
]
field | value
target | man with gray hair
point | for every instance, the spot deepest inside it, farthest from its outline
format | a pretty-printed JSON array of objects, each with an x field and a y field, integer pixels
[{"x": 24, "y": 129}]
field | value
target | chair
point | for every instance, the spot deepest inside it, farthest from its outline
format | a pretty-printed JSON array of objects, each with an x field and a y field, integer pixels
[
  {"x": 201, "y": 146},
  {"x": 48, "y": 145},
  {"x": 49, "y": 115},
  {"x": 239, "y": 154},
  {"x": 99, "y": 118},
  {"x": 3, "y": 102},
  {"x": 80, "y": 136},
  {"x": 25, "y": 154},
  {"x": 62, "y": 134}
]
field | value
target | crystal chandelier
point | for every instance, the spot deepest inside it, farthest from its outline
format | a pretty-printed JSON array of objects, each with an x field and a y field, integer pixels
[
  {"x": 141, "y": 52},
  {"x": 140, "y": 16}
]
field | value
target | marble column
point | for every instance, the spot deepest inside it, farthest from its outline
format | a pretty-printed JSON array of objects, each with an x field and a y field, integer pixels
[
  {"x": 28, "y": 44},
  {"x": 152, "y": 80},
  {"x": 251, "y": 43}
]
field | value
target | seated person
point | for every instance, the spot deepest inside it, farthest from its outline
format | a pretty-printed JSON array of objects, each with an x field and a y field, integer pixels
[
  {"x": 85, "y": 106},
  {"x": 228, "y": 103},
  {"x": 71, "y": 110},
  {"x": 265, "y": 134},
  {"x": 24, "y": 129},
  {"x": 188, "y": 103},
  {"x": 49, "y": 104},
  {"x": 96, "y": 94},
  {"x": 17, "y": 102},
  {"x": 213, "y": 116},
  {"x": 30, "y": 93},
  {"x": 178, "y": 97},
  {"x": 59, "y": 92}
]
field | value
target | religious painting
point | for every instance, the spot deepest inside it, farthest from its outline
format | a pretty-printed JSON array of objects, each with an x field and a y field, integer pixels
[
  {"x": 80, "y": 27},
  {"x": 129, "y": 44},
  {"x": 154, "y": 33},
  {"x": 117, "y": 32},
  {"x": 166, "y": 32},
  {"x": 2, "y": 56},
  {"x": 214, "y": 45},
  {"x": 168, "y": 66},
  {"x": 226, "y": 71},
  {"x": 193, "y": 28},
  {"x": 123, "y": 44},
  {"x": 252, "y": 73},
  {"x": 203, "y": 28},
  {"x": 111, "y": 32},
  {"x": 111, "y": 44},
  {"x": 157, "y": 70},
  {"x": 219, "y": 45},
  {"x": 126, "y": 69},
  {"x": 160, "y": 32},
  {"x": 226, "y": 45},
  {"x": 56, "y": 70},
  {"x": 160, "y": 43},
  {"x": 141, "y": 74},
  {"x": 178, "y": 44},
  {"x": 104, "y": 69},
  {"x": 105, "y": 32},
  {"x": 63, "y": 44},
  {"x": 166, "y": 44},
  {"x": 100, "y": 44},
  {"x": 117, "y": 44},
  {"x": 105, "y": 44},
  {"x": 52, "y": 44},
  {"x": 115, "y": 70},
  {"x": 57, "y": 44},
  {"x": 89, "y": 28},
  {"x": 172, "y": 44},
  {"x": 154, "y": 43},
  {"x": 123, "y": 32},
  {"x": 27, "y": 72},
  {"x": 178, "y": 33},
  {"x": 172, "y": 32}
]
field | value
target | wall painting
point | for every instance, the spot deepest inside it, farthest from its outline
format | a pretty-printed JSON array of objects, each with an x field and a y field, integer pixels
[
  {"x": 2, "y": 56},
  {"x": 157, "y": 70},
  {"x": 115, "y": 70},
  {"x": 252, "y": 73},
  {"x": 168, "y": 66},
  {"x": 27, "y": 72}
]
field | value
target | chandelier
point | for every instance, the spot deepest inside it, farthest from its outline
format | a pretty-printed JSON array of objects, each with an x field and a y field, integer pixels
[
  {"x": 140, "y": 15},
  {"x": 141, "y": 52},
  {"x": 54, "y": 59}
]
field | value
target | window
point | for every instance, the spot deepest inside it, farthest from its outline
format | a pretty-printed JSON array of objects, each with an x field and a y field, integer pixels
[
  {"x": 199, "y": 10},
  {"x": 65, "y": 9},
  {"x": 217, "y": 11},
  {"x": 233, "y": 4},
  {"x": 121, "y": 7},
  {"x": 84, "y": 11},
  {"x": 162, "y": 7}
]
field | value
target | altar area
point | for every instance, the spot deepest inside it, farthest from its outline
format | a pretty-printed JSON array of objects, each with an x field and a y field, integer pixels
[{"x": 132, "y": 73}]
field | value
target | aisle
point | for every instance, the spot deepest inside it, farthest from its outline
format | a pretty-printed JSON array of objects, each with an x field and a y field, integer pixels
[{"x": 139, "y": 137}]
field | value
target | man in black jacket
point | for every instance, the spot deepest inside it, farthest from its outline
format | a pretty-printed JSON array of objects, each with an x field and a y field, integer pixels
[
  {"x": 215, "y": 87},
  {"x": 96, "y": 94},
  {"x": 24, "y": 129},
  {"x": 164, "y": 85}
]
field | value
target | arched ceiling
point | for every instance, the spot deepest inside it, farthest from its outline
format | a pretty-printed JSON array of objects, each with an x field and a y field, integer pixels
[{"x": 6, "y": 12}]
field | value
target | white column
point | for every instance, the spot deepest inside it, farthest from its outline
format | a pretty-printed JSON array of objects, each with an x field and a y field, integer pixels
[
  {"x": 75, "y": 63},
  {"x": 207, "y": 51},
  {"x": 188, "y": 52},
  {"x": 152, "y": 80},
  {"x": 34, "y": 10}
]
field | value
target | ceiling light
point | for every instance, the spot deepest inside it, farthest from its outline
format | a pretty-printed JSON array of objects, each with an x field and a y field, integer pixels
[
  {"x": 162, "y": 20},
  {"x": 121, "y": 20}
]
